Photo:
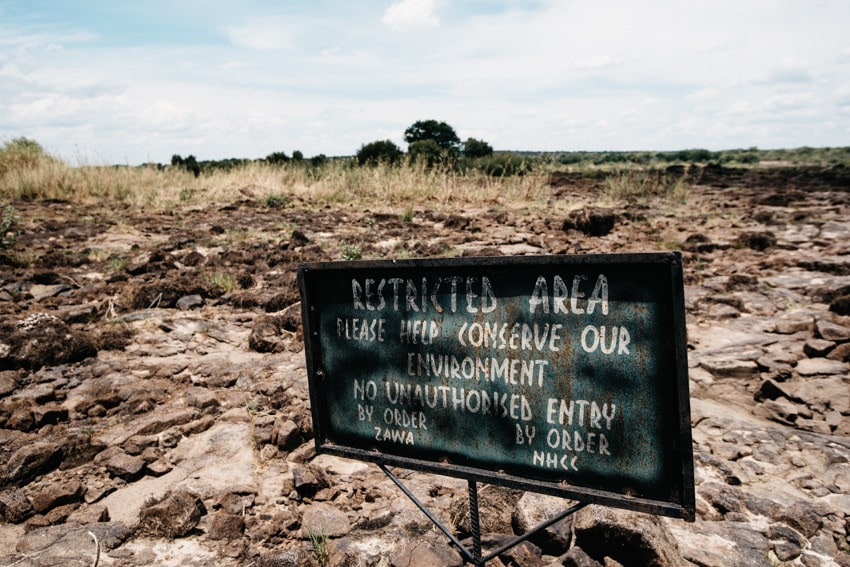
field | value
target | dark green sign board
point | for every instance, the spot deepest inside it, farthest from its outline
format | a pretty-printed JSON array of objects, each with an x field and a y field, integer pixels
[{"x": 560, "y": 374}]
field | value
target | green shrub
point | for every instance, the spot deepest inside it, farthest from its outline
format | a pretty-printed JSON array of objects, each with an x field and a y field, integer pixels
[
  {"x": 473, "y": 148},
  {"x": 504, "y": 165},
  {"x": 427, "y": 151},
  {"x": 381, "y": 151}
]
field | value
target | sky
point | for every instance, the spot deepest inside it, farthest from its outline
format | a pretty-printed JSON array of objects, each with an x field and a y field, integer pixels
[{"x": 131, "y": 81}]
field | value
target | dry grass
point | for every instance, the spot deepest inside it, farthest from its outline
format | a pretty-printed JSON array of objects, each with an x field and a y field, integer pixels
[
  {"x": 336, "y": 182},
  {"x": 641, "y": 184}
]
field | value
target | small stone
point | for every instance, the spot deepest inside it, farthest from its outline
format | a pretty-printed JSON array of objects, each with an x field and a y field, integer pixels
[
  {"x": 307, "y": 481},
  {"x": 769, "y": 390},
  {"x": 833, "y": 419},
  {"x": 39, "y": 292},
  {"x": 287, "y": 435},
  {"x": 201, "y": 398},
  {"x": 730, "y": 368},
  {"x": 575, "y": 557},
  {"x": 159, "y": 467},
  {"x": 820, "y": 366},
  {"x": 89, "y": 515},
  {"x": 840, "y": 305},
  {"x": 794, "y": 323},
  {"x": 832, "y": 331},
  {"x": 817, "y": 347},
  {"x": 125, "y": 467},
  {"x": 189, "y": 302},
  {"x": 780, "y": 410},
  {"x": 841, "y": 353}
]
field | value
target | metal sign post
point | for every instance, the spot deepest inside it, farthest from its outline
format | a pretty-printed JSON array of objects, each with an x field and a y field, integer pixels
[{"x": 565, "y": 375}]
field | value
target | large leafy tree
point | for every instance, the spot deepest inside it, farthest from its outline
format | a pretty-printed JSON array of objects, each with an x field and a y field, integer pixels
[{"x": 443, "y": 134}]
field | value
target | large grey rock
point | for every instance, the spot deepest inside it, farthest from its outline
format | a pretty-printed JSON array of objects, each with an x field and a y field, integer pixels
[
  {"x": 324, "y": 520},
  {"x": 30, "y": 461},
  {"x": 534, "y": 509},
  {"x": 69, "y": 545},
  {"x": 629, "y": 537},
  {"x": 126, "y": 467},
  {"x": 57, "y": 494}
]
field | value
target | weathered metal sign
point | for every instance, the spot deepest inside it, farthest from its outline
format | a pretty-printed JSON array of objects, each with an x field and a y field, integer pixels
[{"x": 559, "y": 374}]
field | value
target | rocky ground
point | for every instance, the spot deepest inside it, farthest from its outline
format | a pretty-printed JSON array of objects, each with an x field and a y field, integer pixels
[{"x": 154, "y": 406}]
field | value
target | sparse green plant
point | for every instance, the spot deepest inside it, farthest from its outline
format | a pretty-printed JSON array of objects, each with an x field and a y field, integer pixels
[
  {"x": 186, "y": 194},
  {"x": 407, "y": 215},
  {"x": 89, "y": 432},
  {"x": 226, "y": 282},
  {"x": 252, "y": 407},
  {"x": 8, "y": 223},
  {"x": 97, "y": 255},
  {"x": 275, "y": 201},
  {"x": 319, "y": 545},
  {"x": 350, "y": 252},
  {"x": 668, "y": 245}
]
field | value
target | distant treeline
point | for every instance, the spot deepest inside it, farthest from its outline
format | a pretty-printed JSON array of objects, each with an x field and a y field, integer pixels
[
  {"x": 753, "y": 155},
  {"x": 191, "y": 163},
  {"x": 518, "y": 162}
]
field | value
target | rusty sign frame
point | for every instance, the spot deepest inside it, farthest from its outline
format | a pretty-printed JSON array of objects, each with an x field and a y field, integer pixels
[{"x": 655, "y": 298}]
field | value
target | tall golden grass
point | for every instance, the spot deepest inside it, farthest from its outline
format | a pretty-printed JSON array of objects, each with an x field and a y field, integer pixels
[
  {"x": 38, "y": 176},
  {"x": 29, "y": 173}
]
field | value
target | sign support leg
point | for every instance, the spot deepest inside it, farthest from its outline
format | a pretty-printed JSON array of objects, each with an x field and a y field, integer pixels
[
  {"x": 475, "y": 557},
  {"x": 474, "y": 524}
]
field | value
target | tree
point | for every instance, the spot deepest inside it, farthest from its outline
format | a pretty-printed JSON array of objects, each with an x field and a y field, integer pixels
[
  {"x": 189, "y": 163},
  {"x": 440, "y": 132},
  {"x": 297, "y": 155},
  {"x": 428, "y": 151},
  {"x": 473, "y": 148},
  {"x": 277, "y": 157},
  {"x": 381, "y": 151}
]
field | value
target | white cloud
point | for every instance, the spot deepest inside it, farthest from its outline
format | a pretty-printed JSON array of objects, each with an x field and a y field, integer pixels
[
  {"x": 411, "y": 13},
  {"x": 266, "y": 34},
  {"x": 603, "y": 61}
]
